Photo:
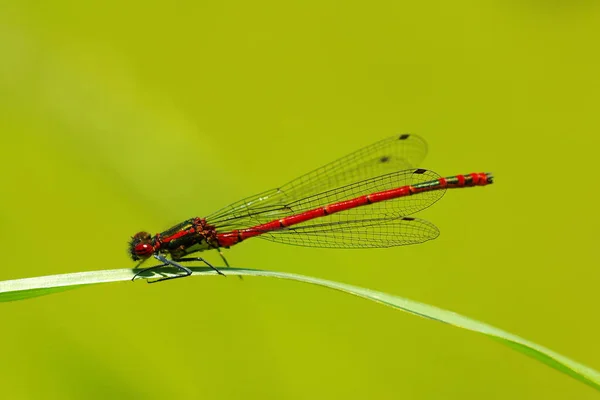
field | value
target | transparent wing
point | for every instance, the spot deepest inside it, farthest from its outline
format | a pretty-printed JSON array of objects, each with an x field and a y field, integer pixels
[
  {"x": 393, "y": 208},
  {"x": 319, "y": 186},
  {"x": 366, "y": 233}
]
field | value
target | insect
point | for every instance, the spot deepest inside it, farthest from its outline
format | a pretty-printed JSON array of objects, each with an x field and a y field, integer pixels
[{"x": 363, "y": 200}]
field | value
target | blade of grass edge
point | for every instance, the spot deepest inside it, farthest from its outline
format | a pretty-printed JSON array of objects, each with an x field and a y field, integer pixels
[{"x": 20, "y": 289}]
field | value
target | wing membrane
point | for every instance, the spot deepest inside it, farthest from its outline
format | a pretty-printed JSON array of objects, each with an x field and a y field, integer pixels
[
  {"x": 366, "y": 233},
  {"x": 326, "y": 185},
  {"x": 393, "y": 208}
]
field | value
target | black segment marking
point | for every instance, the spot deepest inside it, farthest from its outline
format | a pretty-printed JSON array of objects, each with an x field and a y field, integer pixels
[{"x": 384, "y": 159}]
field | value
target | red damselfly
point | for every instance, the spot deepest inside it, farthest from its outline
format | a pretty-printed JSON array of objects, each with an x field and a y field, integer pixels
[{"x": 362, "y": 200}]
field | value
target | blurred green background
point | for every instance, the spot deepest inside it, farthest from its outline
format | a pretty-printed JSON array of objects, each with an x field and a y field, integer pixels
[{"x": 122, "y": 116}]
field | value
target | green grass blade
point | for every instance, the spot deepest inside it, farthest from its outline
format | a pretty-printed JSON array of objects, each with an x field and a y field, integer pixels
[{"x": 20, "y": 289}]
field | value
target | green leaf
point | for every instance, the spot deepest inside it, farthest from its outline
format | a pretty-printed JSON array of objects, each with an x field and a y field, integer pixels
[{"x": 20, "y": 289}]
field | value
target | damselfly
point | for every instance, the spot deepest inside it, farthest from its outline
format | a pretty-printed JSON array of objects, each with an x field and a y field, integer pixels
[{"x": 362, "y": 200}]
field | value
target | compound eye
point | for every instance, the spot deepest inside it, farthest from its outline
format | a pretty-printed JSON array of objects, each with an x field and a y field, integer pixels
[
  {"x": 143, "y": 250},
  {"x": 142, "y": 236}
]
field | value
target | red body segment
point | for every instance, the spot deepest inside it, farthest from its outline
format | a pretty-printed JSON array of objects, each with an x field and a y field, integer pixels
[
  {"x": 228, "y": 239},
  {"x": 389, "y": 194}
]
